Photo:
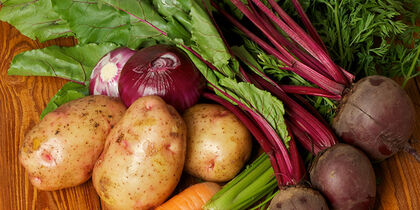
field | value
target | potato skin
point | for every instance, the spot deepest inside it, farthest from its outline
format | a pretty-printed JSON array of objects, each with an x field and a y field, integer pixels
[
  {"x": 143, "y": 157},
  {"x": 218, "y": 144},
  {"x": 62, "y": 149}
]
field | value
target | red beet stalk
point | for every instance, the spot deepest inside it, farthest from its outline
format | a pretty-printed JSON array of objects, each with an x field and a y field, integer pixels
[
  {"x": 283, "y": 166},
  {"x": 295, "y": 32},
  {"x": 304, "y": 90},
  {"x": 293, "y": 64}
]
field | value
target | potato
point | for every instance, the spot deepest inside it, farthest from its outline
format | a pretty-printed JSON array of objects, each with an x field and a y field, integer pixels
[
  {"x": 218, "y": 144},
  {"x": 143, "y": 158},
  {"x": 62, "y": 149}
]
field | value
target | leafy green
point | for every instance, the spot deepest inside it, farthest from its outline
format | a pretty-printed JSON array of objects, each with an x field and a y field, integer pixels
[
  {"x": 187, "y": 23},
  {"x": 70, "y": 91},
  {"x": 178, "y": 10},
  {"x": 271, "y": 66},
  {"x": 261, "y": 102},
  {"x": 212, "y": 50},
  {"x": 35, "y": 19},
  {"x": 93, "y": 23},
  {"x": 73, "y": 63},
  {"x": 210, "y": 75},
  {"x": 368, "y": 37},
  {"x": 136, "y": 23}
]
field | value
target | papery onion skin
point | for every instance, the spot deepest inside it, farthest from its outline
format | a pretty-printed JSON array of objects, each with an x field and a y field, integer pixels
[
  {"x": 161, "y": 70},
  {"x": 105, "y": 75}
]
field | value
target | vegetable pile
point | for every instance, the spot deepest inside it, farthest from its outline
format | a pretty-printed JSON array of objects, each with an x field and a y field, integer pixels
[
  {"x": 275, "y": 82},
  {"x": 164, "y": 71},
  {"x": 359, "y": 120}
]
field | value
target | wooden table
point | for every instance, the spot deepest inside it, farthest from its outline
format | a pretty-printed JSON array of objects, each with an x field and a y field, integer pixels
[{"x": 23, "y": 98}]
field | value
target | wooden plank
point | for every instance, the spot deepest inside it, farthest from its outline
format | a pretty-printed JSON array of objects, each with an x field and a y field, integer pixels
[
  {"x": 399, "y": 176},
  {"x": 23, "y": 98}
]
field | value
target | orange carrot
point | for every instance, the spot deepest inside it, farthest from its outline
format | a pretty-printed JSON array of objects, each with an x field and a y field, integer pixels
[{"x": 192, "y": 198}]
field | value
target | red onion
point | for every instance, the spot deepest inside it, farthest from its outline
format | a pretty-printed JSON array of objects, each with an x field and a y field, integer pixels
[
  {"x": 161, "y": 70},
  {"x": 105, "y": 75}
]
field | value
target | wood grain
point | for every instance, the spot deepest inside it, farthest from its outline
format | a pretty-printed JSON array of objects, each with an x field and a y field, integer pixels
[
  {"x": 399, "y": 176},
  {"x": 23, "y": 98}
]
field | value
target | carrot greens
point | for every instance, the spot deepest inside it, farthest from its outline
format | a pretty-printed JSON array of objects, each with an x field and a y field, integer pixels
[{"x": 367, "y": 37}]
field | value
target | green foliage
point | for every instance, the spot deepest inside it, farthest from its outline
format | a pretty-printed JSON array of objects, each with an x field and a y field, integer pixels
[
  {"x": 271, "y": 66},
  {"x": 70, "y": 91},
  {"x": 129, "y": 23},
  {"x": 368, "y": 37},
  {"x": 94, "y": 24},
  {"x": 261, "y": 102},
  {"x": 72, "y": 63},
  {"x": 35, "y": 19}
]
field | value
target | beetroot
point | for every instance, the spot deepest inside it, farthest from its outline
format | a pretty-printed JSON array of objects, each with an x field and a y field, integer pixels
[
  {"x": 300, "y": 198},
  {"x": 376, "y": 116},
  {"x": 344, "y": 175}
]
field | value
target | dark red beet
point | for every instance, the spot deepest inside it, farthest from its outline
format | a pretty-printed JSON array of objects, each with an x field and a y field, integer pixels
[
  {"x": 344, "y": 175},
  {"x": 377, "y": 116},
  {"x": 298, "y": 198}
]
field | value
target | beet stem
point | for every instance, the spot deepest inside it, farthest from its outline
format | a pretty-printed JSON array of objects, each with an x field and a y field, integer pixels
[
  {"x": 295, "y": 157},
  {"x": 302, "y": 101},
  {"x": 311, "y": 29},
  {"x": 317, "y": 129},
  {"x": 304, "y": 90},
  {"x": 283, "y": 55},
  {"x": 279, "y": 148},
  {"x": 296, "y": 33},
  {"x": 306, "y": 121},
  {"x": 256, "y": 132},
  {"x": 292, "y": 47}
]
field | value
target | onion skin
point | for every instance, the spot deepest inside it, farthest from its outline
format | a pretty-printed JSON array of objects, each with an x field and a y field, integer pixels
[
  {"x": 377, "y": 116},
  {"x": 161, "y": 70},
  {"x": 108, "y": 85}
]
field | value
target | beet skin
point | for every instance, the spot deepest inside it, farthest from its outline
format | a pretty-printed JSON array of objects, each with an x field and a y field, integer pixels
[
  {"x": 376, "y": 116},
  {"x": 344, "y": 175},
  {"x": 298, "y": 198}
]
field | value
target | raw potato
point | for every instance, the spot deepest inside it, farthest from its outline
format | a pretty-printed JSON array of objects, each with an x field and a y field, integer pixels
[
  {"x": 143, "y": 157},
  {"x": 218, "y": 144},
  {"x": 62, "y": 149}
]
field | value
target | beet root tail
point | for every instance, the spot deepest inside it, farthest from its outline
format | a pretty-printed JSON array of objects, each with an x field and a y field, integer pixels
[{"x": 412, "y": 151}]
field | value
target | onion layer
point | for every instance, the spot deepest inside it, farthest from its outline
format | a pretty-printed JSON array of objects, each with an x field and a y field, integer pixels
[
  {"x": 105, "y": 75},
  {"x": 161, "y": 70}
]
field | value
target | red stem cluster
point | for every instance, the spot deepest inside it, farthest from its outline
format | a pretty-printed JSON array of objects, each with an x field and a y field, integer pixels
[
  {"x": 303, "y": 54},
  {"x": 287, "y": 165}
]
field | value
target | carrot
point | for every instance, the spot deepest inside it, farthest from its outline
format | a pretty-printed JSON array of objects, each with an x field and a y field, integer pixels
[{"x": 194, "y": 197}]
